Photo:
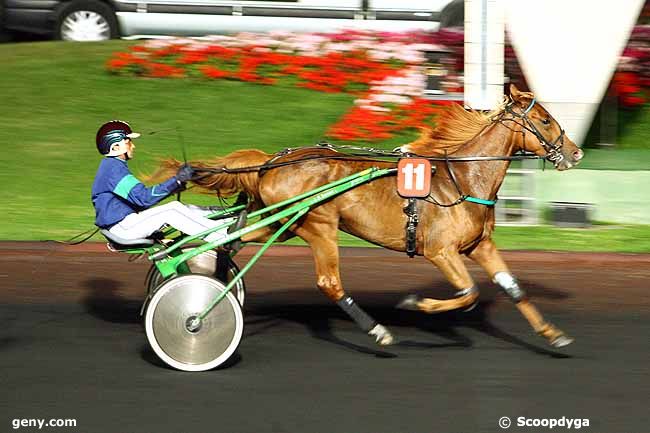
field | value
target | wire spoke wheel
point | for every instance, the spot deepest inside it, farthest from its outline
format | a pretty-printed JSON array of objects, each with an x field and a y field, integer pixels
[{"x": 182, "y": 340}]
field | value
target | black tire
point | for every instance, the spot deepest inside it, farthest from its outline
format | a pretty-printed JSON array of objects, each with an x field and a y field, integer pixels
[
  {"x": 5, "y": 35},
  {"x": 453, "y": 15},
  {"x": 71, "y": 12}
]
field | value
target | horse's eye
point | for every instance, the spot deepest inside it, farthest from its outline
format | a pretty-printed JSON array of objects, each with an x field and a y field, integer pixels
[{"x": 546, "y": 121}]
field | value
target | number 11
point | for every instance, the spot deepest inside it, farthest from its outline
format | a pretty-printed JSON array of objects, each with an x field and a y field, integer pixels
[{"x": 409, "y": 171}]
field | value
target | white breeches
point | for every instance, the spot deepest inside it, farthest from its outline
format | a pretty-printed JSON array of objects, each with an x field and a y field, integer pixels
[{"x": 183, "y": 218}]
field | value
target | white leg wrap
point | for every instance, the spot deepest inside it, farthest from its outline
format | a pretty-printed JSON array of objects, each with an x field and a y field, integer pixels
[
  {"x": 469, "y": 291},
  {"x": 509, "y": 285},
  {"x": 382, "y": 335}
]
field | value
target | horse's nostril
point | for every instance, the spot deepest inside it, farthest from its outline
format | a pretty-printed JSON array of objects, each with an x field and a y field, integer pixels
[{"x": 578, "y": 154}]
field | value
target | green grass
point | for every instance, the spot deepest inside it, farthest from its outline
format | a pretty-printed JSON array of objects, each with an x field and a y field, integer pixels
[
  {"x": 633, "y": 128},
  {"x": 616, "y": 159},
  {"x": 599, "y": 238},
  {"x": 54, "y": 96},
  {"x": 632, "y": 145}
]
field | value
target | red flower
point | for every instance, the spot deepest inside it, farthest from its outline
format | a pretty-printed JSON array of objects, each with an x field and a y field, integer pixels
[
  {"x": 351, "y": 72},
  {"x": 632, "y": 101},
  {"x": 192, "y": 58},
  {"x": 365, "y": 124},
  {"x": 212, "y": 72},
  {"x": 161, "y": 70},
  {"x": 117, "y": 63}
]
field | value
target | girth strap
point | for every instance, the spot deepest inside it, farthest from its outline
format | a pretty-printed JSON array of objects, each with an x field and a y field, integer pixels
[
  {"x": 480, "y": 201},
  {"x": 411, "y": 211}
]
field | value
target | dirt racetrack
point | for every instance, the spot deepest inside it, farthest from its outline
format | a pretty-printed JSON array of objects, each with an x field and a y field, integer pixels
[
  {"x": 48, "y": 272},
  {"x": 72, "y": 346}
]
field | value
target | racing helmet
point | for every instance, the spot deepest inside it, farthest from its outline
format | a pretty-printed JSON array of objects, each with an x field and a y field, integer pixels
[{"x": 111, "y": 133}]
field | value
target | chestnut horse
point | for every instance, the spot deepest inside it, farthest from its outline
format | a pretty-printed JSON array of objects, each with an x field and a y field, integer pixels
[{"x": 448, "y": 228}]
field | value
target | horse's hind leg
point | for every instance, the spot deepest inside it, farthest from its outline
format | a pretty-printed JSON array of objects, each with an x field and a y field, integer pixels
[
  {"x": 487, "y": 255},
  {"x": 451, "y": 265},
  {"x": 323, "y": 241}
]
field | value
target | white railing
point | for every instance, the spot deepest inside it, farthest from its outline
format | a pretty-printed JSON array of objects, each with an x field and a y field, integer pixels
[{"x": 516, "y": 205}]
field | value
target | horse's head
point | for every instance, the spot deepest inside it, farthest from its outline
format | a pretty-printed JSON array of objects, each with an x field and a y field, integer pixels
[{"x": 538, "y": 131}]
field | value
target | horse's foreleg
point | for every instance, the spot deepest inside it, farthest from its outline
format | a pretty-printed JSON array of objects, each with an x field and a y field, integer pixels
[
  {"x": 487, "y": 255},
  {"x": 263, "y": 234},
  {"x": 323, "y": 242},
  {"x": 451, "y": 265}
]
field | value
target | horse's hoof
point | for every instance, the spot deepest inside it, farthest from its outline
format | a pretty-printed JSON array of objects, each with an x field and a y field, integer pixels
[
  {"x": 561, "y": 341},
  {"x": 410, "y": 302},
  {"x": 383, "y": 337}
]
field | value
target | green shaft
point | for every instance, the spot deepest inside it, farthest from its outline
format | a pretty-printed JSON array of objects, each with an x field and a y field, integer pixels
[
  {"x": 312, "y": 192},
  {"x": 315, "y": 196},
  {"x": 362, "y": 174},
  {"x": 227, "y": 210},
  {"x": 253, "y": 260}
]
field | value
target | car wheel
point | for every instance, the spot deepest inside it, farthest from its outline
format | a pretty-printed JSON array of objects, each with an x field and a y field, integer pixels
[
  {"x": 86, "y": 20},
  {"x": 453, "y": 15}
]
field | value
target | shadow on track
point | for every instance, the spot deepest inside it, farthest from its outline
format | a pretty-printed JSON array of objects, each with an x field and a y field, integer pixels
[
  {"x": 7, "y": 343},
  {"x": 317, "y": 318},
  {"x": 270, "y": 310},
  {"x": 104, "y": 302}
]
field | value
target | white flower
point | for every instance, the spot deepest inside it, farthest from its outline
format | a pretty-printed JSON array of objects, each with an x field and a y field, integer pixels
[
  {"x": 375, "y": 108},
  {"x": 391, "y": 99}
]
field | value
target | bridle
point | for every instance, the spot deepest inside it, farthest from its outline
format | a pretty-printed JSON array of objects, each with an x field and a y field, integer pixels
[{"x": 553, "y": 150}]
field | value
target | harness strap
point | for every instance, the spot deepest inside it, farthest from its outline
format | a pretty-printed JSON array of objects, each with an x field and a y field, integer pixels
[
  {"x": 530, "y": 106},
  {"x": 74, "y": 240},
  {"x": 480, "y": 201},
  {"x": 411, "y": 211}
]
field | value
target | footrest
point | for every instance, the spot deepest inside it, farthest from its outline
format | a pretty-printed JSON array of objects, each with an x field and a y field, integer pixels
[{"x": 239, "y": 224}]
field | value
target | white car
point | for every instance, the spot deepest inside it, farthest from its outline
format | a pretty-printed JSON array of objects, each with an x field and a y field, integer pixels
[{"x": 94, "y": 20}]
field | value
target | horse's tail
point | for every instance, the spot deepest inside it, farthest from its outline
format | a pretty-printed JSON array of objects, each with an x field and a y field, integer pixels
[{"x": 224, "y": 184}]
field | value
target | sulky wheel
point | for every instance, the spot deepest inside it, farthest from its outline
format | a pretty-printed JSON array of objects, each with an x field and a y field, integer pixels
[
  {"x": 182, "y": 340},
  {"x": 204, "y": 264}
]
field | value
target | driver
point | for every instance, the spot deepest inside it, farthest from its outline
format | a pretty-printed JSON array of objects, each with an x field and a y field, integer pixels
[{"x": 123, "y": 205}]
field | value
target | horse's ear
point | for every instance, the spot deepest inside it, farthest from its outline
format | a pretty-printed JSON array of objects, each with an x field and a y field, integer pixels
[
  {"x": 514, "y": 91},
  {"x": 519, "y": 97}
]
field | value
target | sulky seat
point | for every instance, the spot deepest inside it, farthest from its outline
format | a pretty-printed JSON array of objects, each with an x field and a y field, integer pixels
[{"x": 118, "y": 244}]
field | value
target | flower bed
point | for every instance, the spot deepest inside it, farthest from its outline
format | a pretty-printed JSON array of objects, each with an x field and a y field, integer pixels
[
  {"x": 384, "y": 70},
  {"x": 631, "y": 80}
]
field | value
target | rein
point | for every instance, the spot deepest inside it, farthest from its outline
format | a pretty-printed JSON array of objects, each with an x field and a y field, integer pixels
[
  {"x": 361, "y": 157},
  {"x": 366, "y": 154}
]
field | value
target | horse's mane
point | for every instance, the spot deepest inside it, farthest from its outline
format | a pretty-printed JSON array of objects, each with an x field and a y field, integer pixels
[
  {"x": 223, "y": 184},
  {"x": 455, "y": 127}
]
